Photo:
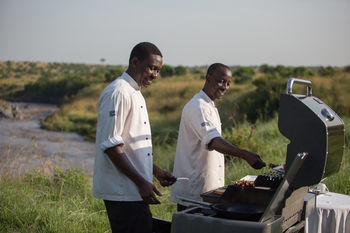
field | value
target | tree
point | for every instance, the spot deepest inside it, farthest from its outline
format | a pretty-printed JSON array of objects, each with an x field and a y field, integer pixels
[
  {"x": 302, "y": 71},
  {"x": 113, "y": 74},
  {"x": 285, "y": 72},
  {"x": 347, "y": 68},
  {"x": 328, "y": 71},
  {"x": 180, "y": 70},
  {"x": 167, "y": 71},
  {"x": 266, "y": 69},
  {"x": 243, "y": 74}
]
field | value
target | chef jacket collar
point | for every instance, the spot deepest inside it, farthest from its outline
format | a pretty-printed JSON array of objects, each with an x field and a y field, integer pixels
[
  {"x": 207, "y": 98},
  {"x": 131, "y": 81}
]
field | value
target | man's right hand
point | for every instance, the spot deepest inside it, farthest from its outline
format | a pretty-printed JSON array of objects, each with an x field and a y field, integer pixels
[
  {"x": 254, "y": 160},
  {"x": 147, "y": 191},
  {"x": 121, "y": 161}
]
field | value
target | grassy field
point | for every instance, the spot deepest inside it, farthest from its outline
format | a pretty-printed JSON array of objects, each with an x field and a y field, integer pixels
[{"x": 63, "y": 202}]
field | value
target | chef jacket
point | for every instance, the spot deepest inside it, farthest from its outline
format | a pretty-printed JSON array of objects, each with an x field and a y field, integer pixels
[
  {"x": 122, "y": 119},
  {"x": 200, "y": 123}
]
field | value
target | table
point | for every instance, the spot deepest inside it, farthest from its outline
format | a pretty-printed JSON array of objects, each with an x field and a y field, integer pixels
[{"x": 332, "y": 214}]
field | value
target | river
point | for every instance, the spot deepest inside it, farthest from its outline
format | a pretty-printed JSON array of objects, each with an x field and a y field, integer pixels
[{"x": 24, "y": 146}]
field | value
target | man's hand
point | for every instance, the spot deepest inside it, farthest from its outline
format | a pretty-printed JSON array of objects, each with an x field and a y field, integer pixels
[
  {"x": 164, "y": 177},
  {"x": 148, "y": 191},
  {"x": 254, "y": 160}
]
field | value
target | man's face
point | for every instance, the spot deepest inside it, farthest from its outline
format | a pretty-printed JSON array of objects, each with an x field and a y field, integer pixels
[
  {"x": 148, "y": 70},
  {"x": 219, "y": 81}
]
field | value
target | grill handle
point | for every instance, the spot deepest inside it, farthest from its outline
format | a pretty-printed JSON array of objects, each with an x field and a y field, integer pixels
[{"x": 291, "y": 81}]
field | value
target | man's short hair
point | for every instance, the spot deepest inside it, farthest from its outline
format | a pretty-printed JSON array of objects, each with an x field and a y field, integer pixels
[
  {"x": 215, "y": 66},
  {"x": 143, "y": 50}
]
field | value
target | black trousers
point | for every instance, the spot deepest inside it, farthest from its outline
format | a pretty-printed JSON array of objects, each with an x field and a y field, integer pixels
[{"x": 129, "y": 216}]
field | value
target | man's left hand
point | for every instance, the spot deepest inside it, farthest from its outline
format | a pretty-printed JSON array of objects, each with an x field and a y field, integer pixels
[{"x": 165, "y": 178}]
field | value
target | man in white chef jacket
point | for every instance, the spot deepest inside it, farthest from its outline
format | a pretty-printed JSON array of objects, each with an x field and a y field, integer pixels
[
  {"x": 124, "y": 168},
  {"x": 200, "y": 146}
]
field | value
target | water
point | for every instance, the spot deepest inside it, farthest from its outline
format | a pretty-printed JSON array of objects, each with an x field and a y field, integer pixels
[{"x": 24, "y": 146}]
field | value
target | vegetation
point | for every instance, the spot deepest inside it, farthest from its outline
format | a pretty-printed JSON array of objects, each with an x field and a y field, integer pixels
[{"x": 62, "y": 201}]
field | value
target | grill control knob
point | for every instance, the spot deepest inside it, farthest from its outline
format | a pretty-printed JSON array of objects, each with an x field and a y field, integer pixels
[{"x": 327, "y": 114}]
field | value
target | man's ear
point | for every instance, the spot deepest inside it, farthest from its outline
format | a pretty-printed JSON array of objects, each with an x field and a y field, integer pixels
[
  {"x": 207, "y": 77},
  {"x": 134, "y": 62}
]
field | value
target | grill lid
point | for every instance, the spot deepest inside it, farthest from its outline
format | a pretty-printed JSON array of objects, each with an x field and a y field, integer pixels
[{"x": 313, "y": 127}]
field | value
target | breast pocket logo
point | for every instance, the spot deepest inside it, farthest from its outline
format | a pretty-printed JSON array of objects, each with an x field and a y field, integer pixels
[{"x": 203, "y": 124}]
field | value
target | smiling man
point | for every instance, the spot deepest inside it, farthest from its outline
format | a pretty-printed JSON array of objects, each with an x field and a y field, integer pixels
[
  {"x": 200, "y": 146},
  {"x": 124, "y": 168}
]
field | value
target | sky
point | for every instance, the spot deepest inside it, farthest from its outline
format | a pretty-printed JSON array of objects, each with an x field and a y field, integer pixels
[{"x": 189, "y": 33}]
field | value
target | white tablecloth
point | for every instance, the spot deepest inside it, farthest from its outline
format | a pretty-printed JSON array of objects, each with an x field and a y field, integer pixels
[{"x": 332, "y": 214}]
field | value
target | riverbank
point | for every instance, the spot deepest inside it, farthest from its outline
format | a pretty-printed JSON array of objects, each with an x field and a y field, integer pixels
[{"x": 24, "y": 146}]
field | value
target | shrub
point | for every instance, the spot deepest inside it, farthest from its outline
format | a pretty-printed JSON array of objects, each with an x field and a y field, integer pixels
[
  {"x": 302, "y": 71},
  {"x": 113, "y": 74},
  {"x": 262, "y": 103},
  {"x": 167, "y": 71},
  {"x": 180, "y": 70},
  {"x": 243, "y": 74},
  {"x": 347, "y": 68},
  {"x": 328, "y": 71}
]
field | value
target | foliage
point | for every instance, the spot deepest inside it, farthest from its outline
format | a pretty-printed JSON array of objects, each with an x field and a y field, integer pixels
[
  {"x": 243, "y": 74},
  {"x": 327, "y": 71},
  {"x": 37, "y": 203},
  {"x": 167, "y": 71},
  {"x": 262, "y": 103},
  {"x": 180, "y": 70},
  {"x": 113, "y": 74},
  {"x": 64, "y": 202},
  {"x": 347, "y": 69},
  {"x": 286, "y": 72},
  {"x": 54, "y": 90},
  {"x": 302, "y": 71}
]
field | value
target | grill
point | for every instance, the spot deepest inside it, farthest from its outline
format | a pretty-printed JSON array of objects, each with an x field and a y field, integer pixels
[{"x": 315, "y": 151}]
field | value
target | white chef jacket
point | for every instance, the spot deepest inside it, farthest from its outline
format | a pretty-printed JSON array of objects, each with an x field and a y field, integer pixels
[
  {"x": 122, "y": 119},
  {"x": 200, "y": 123}
]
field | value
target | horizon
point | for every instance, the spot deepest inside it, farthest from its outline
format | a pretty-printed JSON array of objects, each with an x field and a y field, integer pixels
[{"x": 187, "y": 66}]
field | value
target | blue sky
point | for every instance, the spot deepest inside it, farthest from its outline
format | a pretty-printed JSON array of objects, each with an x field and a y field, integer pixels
[{"x": 245, "y": 32}]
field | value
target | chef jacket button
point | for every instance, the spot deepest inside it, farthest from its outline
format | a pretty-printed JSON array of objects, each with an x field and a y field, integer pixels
[
  {"x": 148, "y": 154},
  {"x": 141, "y": 106},
  {"x": 146, "y": 138},
  {"x": 144, "y": 122}
]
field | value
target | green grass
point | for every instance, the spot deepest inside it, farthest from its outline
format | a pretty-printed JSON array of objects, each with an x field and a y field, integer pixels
[{"x": 63, "y": 202}]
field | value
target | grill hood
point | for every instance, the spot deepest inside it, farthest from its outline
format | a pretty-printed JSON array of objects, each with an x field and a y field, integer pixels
[{"x": 312, "y": 127}]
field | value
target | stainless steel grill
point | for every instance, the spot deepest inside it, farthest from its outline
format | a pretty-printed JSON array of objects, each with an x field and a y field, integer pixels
[
  {"x": 311, "y": 126},
  {"x": 316, "y": 135}
]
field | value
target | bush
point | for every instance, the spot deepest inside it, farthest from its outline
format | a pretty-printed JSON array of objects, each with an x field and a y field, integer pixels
[
  {"x": 328, "y": 71},
  {"x": 302, "y": 71},
  {"x": 180, "y": 70},
  {"x": 49, "y": 90},
  {"x": 262, "y": 104},
  {"x": 347, "y": 69},
  {"x": 167, "y": 71},
  {"x": 243, "y": 74},
  {"x": 112, "y": 74}
]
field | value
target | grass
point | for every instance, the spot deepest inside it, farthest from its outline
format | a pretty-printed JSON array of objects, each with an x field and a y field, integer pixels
[
  {"x": 36, "y": 203},
  {"x": 62, "y": 201},
  {"x": 52, "y": 200}
]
